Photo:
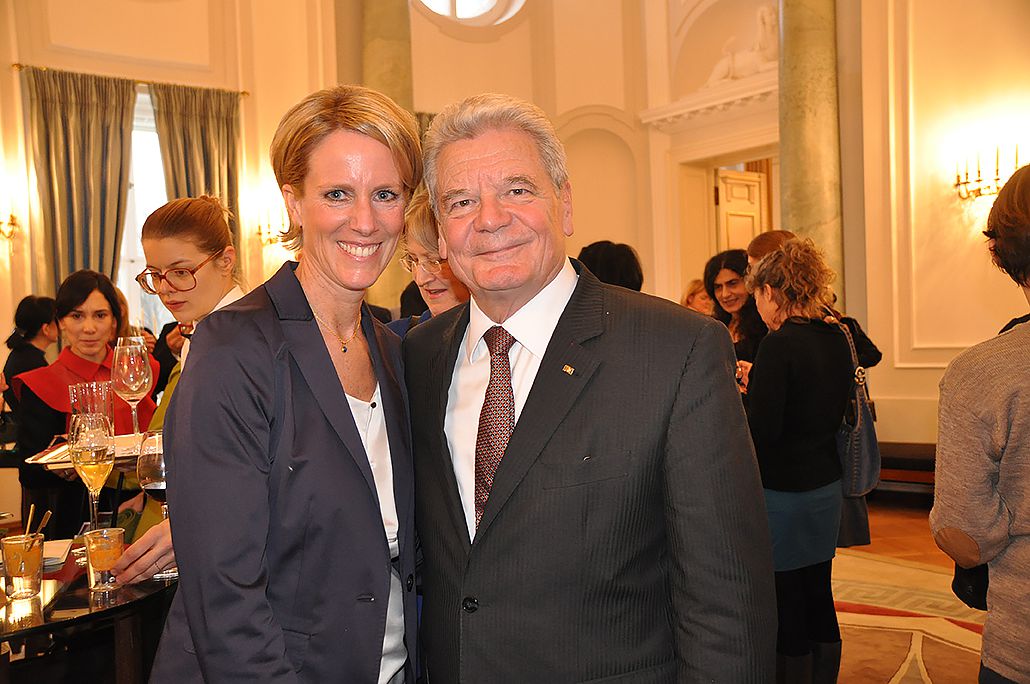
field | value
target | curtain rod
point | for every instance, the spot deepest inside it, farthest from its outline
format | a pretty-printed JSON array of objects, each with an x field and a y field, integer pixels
[{"x": 18, "y": 67}]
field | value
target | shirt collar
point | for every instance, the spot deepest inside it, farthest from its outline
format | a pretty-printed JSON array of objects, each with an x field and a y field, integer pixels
[
  {"x": 533, "y": 324},
  {"x": 84, "y": 368},
  {"x": 230, "y": 297}
]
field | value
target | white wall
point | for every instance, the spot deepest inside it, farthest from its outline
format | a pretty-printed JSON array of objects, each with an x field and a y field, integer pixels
[
  {"x": 938, "y": 83},
  {"x": 582, "y": 62}
]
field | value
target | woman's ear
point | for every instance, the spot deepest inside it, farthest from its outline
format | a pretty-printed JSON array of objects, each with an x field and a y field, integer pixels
[{"x": 227, "y": 261}]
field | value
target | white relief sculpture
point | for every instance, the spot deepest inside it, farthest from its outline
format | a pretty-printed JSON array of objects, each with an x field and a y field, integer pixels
[{"x": 762, "y": 56}]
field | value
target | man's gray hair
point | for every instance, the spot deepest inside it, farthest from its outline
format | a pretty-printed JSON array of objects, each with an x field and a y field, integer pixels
[{"x": 478, "y": 114}]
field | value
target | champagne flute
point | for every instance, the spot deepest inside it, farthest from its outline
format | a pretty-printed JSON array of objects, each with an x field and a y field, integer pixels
[
  {"x": 150, "y": 468},
  {"x": 91, "y": 446},
  {"x": 131, "y": 376}
]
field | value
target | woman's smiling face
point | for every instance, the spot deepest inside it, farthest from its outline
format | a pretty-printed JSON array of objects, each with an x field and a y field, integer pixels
[{"x": 730, "y": 291}]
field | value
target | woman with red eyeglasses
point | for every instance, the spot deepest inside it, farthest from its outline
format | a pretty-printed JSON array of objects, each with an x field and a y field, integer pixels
[{"x": 191, "y": 266}]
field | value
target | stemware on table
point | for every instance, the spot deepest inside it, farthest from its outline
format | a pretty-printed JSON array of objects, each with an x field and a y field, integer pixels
[
  {"x": 131, "y": 376},
  {"x": 91, "y": 447},
  {"x": 151, "y": 471}
]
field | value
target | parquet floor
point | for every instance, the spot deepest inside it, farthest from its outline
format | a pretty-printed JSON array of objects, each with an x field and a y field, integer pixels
[{"x": 899, "y": 528}]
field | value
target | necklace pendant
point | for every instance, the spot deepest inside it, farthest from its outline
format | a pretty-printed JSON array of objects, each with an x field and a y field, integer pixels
[{"x": 344, "y": 349}]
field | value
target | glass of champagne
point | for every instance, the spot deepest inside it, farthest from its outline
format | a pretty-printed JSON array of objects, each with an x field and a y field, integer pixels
[
  {"x": 150, "y": 469},
  {"x": 91, "y": 446},
  {"x": 131, "y": 376}
]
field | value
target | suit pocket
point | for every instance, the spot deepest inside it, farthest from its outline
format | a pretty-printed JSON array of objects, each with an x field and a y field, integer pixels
[
  {"x": 296, "y": 648},
  {"x": 658, "y": 674},
  {"x": 588, "y": 470}
]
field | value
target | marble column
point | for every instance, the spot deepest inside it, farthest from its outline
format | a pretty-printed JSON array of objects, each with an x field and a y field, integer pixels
[
  {"x": 809, "y": 129},
  {"x": 386, "y": 67}
]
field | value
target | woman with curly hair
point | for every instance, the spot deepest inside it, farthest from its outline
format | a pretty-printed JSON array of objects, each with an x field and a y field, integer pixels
[{"x": 798, "y": 392}]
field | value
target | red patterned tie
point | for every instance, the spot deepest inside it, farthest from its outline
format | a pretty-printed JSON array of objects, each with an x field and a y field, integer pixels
[{"x": 497, "y": 418}]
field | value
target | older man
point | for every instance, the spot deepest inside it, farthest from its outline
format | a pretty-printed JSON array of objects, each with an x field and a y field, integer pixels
[{"x": 587, "y": 495}]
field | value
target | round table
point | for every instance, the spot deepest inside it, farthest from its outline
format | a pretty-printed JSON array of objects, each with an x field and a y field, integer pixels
[{"x": 68, "y": 633}]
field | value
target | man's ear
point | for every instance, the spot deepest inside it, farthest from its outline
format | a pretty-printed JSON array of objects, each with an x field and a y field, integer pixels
[
  {"x": 566, "y": 208},
  {"x": 441, "y": 246}
]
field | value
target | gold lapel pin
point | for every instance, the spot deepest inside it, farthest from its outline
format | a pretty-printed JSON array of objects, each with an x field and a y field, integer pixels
[{"x": 568, "y": 369}]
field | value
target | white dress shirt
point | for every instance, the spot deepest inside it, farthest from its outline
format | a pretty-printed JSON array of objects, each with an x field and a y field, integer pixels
[
  {"x": 371, "y": 423},
  {"x": 532, "y": 327},
  {"x": 231, "y": 296}
]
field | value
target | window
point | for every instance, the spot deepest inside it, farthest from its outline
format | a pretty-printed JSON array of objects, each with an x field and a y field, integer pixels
[
  {"x": 476, "y": 12},
  {"x": 146, "y": 193}
]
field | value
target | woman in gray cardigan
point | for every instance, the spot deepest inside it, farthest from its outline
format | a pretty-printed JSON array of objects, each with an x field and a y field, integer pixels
[{"x": 981, "y": 511}]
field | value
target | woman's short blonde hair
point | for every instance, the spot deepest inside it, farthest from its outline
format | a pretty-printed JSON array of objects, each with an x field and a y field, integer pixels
[
  {"x": 799, "y": 278},
  {"x": 343, "y": 108},
  {"x": 420, "y": 227},
  {"x": 694, "y": 288}
]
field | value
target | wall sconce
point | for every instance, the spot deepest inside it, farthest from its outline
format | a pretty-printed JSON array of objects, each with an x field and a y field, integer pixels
[
  {"x": 275, "y": 222},
  {"x": 9, "y": 228},
  {"x": 268, "y": 234},
  {"x": 971, "y": 188}
]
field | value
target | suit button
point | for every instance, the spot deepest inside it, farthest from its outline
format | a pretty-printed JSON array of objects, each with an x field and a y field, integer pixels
[
  {"x": 470, "y": 604},
  {"x": 411, "y": 582}
]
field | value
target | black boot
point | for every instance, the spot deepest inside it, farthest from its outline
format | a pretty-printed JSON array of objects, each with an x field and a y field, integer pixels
[
  {"x": 794, "y": 669},
  {"x": 825, "y": 662}
]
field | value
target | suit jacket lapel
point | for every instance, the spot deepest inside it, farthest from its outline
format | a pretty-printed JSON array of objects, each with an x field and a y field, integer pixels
[
  {"x": 308, "y": 349},
  {"x": 554, "y": 390},
  {"x": 441, "y": 370}
]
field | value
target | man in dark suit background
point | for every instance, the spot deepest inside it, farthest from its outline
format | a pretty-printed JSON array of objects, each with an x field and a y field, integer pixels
[{"x": 586, "y": 490}]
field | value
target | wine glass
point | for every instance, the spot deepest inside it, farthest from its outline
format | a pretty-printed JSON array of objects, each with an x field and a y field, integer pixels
[
  {"x": 131, "y": 376},
  {"x": 91, "y": 447},
  {"x": 150, "y": 469}
]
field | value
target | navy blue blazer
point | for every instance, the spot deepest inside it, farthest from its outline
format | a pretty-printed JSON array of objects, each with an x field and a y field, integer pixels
[{"x": 284, "y": 565}]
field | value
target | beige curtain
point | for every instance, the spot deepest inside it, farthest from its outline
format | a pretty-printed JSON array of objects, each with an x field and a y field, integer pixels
[
  {"x": 199, "y": 134},
  {"x": 80, "y": 133}
]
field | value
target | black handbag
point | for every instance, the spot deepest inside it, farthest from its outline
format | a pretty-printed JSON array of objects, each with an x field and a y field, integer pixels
[
  {"x": 857, "y": 445},
  {"x": 970, "y": 585}
]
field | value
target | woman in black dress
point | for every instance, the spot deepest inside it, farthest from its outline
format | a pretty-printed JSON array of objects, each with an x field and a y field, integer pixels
[
  {"x": 798, "y": 392},
  {"x": 35, "y": 329}
]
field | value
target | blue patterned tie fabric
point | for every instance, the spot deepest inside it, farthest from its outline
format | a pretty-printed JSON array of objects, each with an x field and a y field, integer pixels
[{"x": 497, "y": 418}]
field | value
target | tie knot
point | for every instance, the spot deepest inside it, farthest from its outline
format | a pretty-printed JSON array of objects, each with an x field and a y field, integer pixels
[{"x": 498, "y": 340}]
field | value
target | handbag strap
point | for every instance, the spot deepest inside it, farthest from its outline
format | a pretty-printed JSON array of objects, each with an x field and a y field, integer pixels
[{"x": 860, "y": 372}]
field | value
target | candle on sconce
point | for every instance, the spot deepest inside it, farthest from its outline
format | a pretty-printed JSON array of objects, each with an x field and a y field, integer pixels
[{"x": 997, "y": 162}]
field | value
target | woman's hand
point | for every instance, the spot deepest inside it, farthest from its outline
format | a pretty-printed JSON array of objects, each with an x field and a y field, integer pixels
[
  {"x": 743, "y": 370},
  {"x": 149, "y": 340},
  {"x": 174, "y": 340},
  {"x": 150, "y": 554}
]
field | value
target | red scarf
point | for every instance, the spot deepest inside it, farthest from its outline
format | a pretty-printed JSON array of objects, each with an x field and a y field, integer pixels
[{"x": 51, "y": 383}]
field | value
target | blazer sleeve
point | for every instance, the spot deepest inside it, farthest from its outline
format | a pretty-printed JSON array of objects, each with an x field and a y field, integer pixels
[
  {"x": 218, "y": 434},
  {"x": 721, "y": 574}
]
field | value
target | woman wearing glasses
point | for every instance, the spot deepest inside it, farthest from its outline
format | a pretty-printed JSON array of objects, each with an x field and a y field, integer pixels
[
  {"x": 440, "y": 289},
  {"x": 191, "y": 266},
  {"x": 290, "y": 479}
]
